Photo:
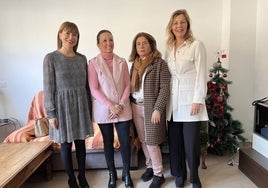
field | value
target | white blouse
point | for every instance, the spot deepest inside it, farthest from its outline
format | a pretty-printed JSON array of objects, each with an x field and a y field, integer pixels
[
  {"x": 187, "y": 66},
  {"x": 138, "y": 95}
]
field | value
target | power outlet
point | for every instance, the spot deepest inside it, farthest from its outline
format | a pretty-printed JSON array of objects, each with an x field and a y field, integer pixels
[{"x": 3, "y": 84}]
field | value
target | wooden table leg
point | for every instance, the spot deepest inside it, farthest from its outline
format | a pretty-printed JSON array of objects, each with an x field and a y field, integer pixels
[{"x": 48, "y": 169}]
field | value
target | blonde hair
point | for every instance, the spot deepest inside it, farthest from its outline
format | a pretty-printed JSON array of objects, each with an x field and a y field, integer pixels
[
  {"x": 170, "y": 35},
  {"x": 69, "y": 26}
]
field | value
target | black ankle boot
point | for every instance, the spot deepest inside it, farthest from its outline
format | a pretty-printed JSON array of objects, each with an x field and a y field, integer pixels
[
  {"x": 112, "y": 176},
  {"x": 82, "y": 182},
  {"x": 73, "y": 183},
  {"x": 127, "y": 179},
  {"x": 112, "y": 179}
]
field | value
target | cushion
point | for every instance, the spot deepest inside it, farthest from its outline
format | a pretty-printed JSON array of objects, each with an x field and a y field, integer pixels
[{"x": 96, "y": 142}]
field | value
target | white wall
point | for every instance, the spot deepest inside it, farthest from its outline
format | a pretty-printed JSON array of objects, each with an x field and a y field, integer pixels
[
  {"x": 261, "y": 60},
  {"x": 248, "y": 58},
  {"x": 28, "y": 31},
  {"x": 242, "y": 58}
]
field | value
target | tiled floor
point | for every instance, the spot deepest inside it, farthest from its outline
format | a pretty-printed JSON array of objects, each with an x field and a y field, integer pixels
[{"x": 219, "y": 174}]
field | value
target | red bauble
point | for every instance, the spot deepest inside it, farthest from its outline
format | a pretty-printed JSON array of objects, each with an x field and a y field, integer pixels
[
  {"x": 220, "y": 98},
  {"x": 223, "y": 55},
  {"x": 224, "y": 75},
  {"x": 210, "y": 75}
]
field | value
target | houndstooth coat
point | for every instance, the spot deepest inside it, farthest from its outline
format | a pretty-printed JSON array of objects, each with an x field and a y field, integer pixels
[{"x": 156, "y": 92}]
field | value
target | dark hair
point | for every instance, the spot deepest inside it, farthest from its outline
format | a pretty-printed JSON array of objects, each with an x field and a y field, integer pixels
[
  {"x": 69, "y": 26},
  {"x": 152, "y": 43},
  {"x": 100, "y": 32}
]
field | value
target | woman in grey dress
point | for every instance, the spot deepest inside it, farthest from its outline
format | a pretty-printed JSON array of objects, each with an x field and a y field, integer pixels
[{"x": 67, "y": 100}]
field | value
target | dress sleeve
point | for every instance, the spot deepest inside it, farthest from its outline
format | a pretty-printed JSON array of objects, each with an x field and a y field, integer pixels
[{"x": 49, "y": 86}]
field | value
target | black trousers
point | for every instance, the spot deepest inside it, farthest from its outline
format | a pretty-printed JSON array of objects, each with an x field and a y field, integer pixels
[
  {"x": 123, "y": 131},
  {"x": 184, "y": 143}
]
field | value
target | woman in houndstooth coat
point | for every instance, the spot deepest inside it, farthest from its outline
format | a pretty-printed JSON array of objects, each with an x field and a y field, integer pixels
[{"x": 150, "y": 85}]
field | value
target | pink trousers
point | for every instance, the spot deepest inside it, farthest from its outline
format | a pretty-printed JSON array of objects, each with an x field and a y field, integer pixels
[{"x": 153, "y": 156}]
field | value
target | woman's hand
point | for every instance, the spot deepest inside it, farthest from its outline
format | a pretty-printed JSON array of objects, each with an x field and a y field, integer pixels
[
  {"x": 115, "y": 111},
  {"x": 195, "y": 108},
  {"x": 54, "y": 123},
  {"x": 155, "y": 119},
  {"x": 137, "y": 144}
]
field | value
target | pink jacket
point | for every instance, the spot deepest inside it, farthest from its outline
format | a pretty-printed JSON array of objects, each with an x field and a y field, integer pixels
[{"x": 107, "y": 88}]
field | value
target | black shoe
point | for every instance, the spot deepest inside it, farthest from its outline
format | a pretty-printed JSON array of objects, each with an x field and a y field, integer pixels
[
  {"x": 73, "y": 183},
  {"x": 82, "y": 182},
  {"x": 157, "y": 182},
  {"x": 147, "y": 175},
  {"x": 179, "y": 181},
  {"x": 197, "y": 185}
]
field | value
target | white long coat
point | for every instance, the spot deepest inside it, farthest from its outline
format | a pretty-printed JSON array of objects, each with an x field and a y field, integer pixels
[{"x": 188, "y": 81}]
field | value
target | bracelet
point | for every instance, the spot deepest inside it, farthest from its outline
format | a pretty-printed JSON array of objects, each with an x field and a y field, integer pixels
[{"x": 122, "y": 105}]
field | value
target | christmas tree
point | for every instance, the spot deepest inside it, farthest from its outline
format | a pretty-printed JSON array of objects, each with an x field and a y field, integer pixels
[{"x": 224, "y": 132}]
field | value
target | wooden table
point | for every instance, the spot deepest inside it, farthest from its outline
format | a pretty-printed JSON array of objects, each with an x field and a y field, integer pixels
[{"x": 19, "y": 160}]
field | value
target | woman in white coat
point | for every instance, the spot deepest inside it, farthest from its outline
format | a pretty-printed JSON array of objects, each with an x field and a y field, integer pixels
[{"x": 186, "y": 58}]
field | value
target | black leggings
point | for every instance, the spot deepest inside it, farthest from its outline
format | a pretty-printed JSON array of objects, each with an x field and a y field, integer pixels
[
  {"x": 123, "y": 131},
  {"x": 66, "y": 156}
]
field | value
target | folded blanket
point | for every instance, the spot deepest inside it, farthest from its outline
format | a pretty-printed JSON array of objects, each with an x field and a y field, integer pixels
[
  {"x": 26, "y": 133},
  {"x": 37, "y": 110}
]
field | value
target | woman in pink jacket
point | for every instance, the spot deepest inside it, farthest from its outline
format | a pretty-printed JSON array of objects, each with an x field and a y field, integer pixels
[{"x": 109, "y": 83}]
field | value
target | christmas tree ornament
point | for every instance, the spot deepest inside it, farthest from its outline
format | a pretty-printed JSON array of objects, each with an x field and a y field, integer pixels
[
  {"x": 221, "y": 91},
  {"x": 220, "y": 98},
  {"x": 216, "y": 65},
  {"x": 223, "y": 56}
]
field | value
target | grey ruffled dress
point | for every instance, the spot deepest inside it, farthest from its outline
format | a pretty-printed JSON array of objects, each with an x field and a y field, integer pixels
[{"x": 67, "y": 96}]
